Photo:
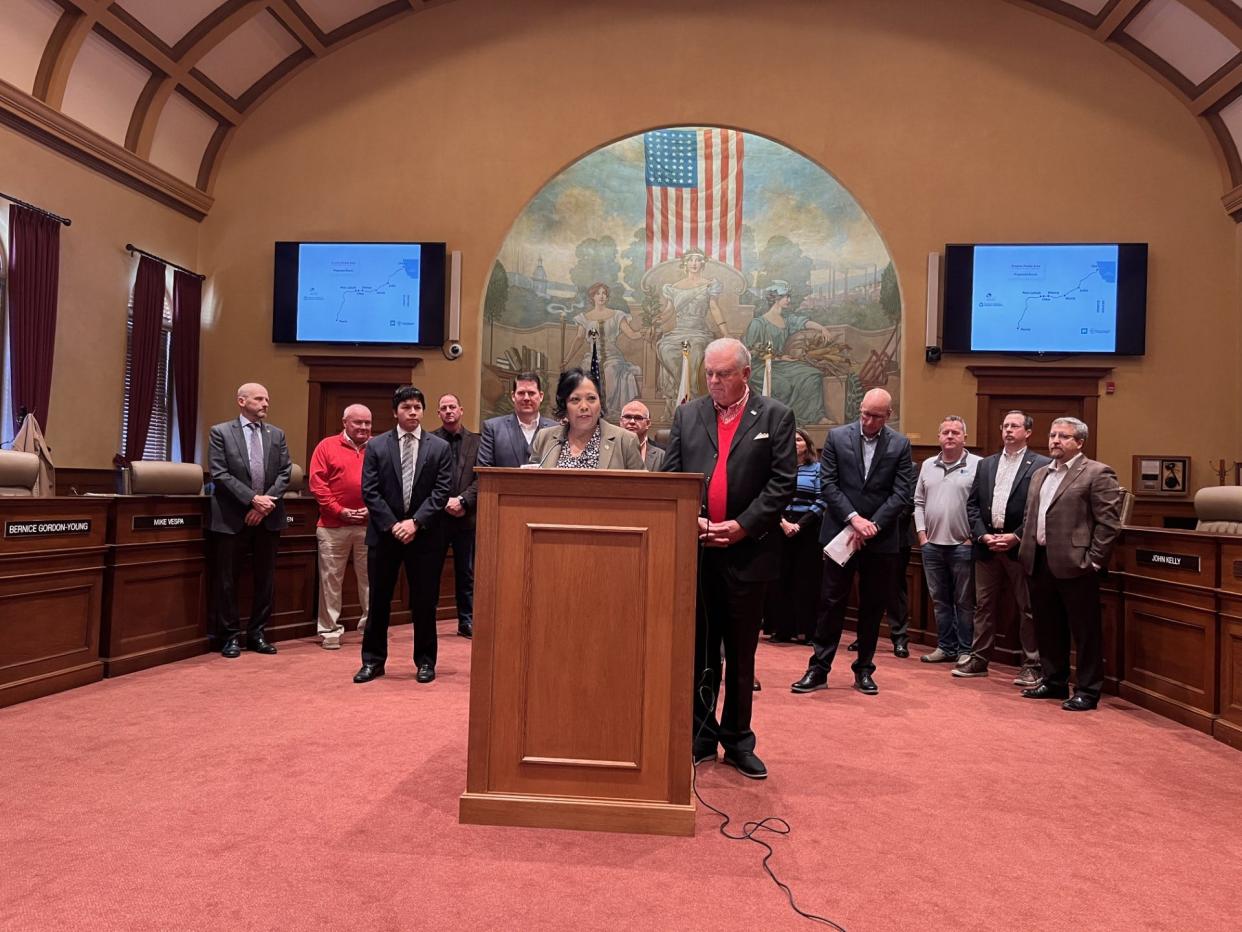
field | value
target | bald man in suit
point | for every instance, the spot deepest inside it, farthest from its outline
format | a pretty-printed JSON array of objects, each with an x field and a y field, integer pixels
[
  {"x": 1073, "y": 517},
  {"x": 250, "y": 468}
]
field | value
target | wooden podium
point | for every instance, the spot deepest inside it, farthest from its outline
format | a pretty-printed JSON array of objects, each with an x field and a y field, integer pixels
[{"x": 581, "y": 670}]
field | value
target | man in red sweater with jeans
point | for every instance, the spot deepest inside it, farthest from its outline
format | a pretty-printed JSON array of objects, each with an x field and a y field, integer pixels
[{"x": 336, "y": 483}]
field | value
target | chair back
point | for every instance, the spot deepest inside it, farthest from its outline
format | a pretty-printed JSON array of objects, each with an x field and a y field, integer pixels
[
  {"x": 297, "y": 482},
  {"x": 19, "y": 472},
  {"x": 160, "y": 477},
  {"x": 1219, "y": 509}
]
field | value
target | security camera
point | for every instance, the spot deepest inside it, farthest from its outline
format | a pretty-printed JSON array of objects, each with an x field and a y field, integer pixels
[{"x": 453, "y": 350}]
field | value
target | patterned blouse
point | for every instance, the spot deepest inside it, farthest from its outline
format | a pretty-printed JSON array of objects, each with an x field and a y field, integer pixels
[{"x": 588, "y": 459}]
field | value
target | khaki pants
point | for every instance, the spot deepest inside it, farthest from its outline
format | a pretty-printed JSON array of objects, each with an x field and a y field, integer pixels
[
  {"x": 995, "y": 579},
  {"x": 335, "y": 546}
]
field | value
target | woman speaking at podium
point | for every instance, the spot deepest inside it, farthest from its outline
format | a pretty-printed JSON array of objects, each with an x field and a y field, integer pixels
[{"x": 583, "y": 441}]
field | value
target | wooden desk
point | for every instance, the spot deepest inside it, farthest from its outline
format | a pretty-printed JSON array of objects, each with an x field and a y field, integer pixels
[
  {"x": 1171, "y": 641},
  {"x": 155, "y": 592},
  {"x": 52, "y": 555}
]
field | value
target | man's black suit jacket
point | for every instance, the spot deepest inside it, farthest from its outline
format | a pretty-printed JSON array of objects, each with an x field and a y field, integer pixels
[
  {"x": 228, "y": 460},
  {"x": 979, "y": 504},
  {"x": 762, "y": 470},
  {"x": 465, "y": 482},
  {"x": 381, "y": 484},
  {"x": 884, "y": 496}
]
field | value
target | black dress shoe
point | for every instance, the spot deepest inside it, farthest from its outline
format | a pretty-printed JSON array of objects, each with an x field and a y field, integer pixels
[
  {"x": 747, "y": 764},
  {"x": 853, "y": 647},
  {"x": 704, "y": 753},
  {"x": 901, "y": 650},
  {"x": 865, "y": 684},
  {"x": 811, "y": 680},
  {"x": 368, "y": 672},
  {"x": 466, "y": 630},
  {"x": 260, "y": 646},
  {"x": 1044, "y": 691},
  {"x": 231, "y": 649},
  {"x": 426, "y": 673},
  {"x": 1079, "y": 703}
]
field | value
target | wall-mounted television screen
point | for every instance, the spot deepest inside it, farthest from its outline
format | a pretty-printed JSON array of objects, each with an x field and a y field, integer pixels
[
  {"x": 1037, "y": 298},
  {"x": 359, "y": 293}
]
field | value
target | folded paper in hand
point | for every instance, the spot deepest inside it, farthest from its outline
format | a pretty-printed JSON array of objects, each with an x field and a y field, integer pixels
[{"x": 843, "y": 546}]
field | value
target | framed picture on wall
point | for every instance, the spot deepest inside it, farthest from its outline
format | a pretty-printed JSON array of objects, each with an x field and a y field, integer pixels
[{"x": 1162, "y": 475}]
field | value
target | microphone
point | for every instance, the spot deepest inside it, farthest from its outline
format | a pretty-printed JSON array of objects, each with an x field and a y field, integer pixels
[{"x": 560, "y": 442}]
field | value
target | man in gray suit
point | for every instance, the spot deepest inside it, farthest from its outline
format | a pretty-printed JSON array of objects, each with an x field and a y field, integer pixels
[
  {"x": 637, "y": 420},
  {"x": 506, "y": 439},
  {"x": 250, "y": 467}
]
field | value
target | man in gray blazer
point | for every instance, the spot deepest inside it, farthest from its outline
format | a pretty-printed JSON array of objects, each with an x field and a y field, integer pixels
[
  {"x": 250, "y": 467},
  {"x": 506, "y": 439}
]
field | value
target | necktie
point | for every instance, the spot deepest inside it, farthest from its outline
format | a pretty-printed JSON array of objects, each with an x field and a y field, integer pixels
[
  {"x": 254, "y": 445},
  {"x": 407, "y": 469}
]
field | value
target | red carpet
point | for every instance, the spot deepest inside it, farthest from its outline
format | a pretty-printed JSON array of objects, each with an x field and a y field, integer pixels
[{"x": 273, "y": 793}]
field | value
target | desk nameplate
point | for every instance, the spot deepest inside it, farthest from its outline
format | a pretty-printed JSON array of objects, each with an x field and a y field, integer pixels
[
  {"x": 47, "y": 527},
  {"x": 166, "y": 522},
  {"x": 1165, "y": 560}
]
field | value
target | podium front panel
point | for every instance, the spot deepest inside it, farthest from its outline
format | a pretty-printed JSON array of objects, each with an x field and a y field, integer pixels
[{"x": 584, "y": 627}]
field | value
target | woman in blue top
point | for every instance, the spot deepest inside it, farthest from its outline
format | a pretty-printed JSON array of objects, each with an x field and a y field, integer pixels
[{"x": 791, "y": 605}]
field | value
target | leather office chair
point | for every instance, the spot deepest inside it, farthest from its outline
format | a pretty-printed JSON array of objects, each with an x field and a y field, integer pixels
[
  {"x": 19, "y": 472},
  {"x": 1219, "y": 510},
  {"x": 297, "y": 482},
  {"x": 160, "y": 477}
]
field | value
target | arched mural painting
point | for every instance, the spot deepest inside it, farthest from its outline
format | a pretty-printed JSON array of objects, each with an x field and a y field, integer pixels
[{"x": 654, "y": 245}]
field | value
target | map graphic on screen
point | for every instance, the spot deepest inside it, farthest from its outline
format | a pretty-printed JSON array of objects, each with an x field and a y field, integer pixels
[
  {"x": 1045, "y": 298},
  {"x": 359, "y": 292}
]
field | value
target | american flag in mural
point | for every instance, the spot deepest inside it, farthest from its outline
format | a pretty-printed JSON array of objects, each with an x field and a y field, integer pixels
[{"x": 694, "y": 194}]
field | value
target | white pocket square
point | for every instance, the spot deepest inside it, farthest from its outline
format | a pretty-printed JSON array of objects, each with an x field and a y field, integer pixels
[{"x": 763, "y": 436}]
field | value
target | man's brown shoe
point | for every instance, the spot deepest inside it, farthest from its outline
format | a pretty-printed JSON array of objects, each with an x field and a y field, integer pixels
[{"x": 975, "y": 666}]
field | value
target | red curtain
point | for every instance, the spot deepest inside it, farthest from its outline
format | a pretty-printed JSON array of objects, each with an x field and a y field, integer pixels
[
  {"x": 187, "y": 311},
  {"x": 34, "y": 285},
  {"x": 144, "y": 347}
]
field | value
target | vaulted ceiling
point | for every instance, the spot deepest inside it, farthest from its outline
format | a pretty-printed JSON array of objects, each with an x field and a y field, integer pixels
[{"x": 148, "y": 91}]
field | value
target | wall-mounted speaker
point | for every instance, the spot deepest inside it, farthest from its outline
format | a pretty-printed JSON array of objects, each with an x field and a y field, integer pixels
[
  {"x": 934, "y": 303},
  {"x": 454, "y": 309}
]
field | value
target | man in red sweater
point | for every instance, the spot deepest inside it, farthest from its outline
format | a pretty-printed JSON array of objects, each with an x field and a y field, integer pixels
[
  {"x": 336, "y": 483},
  {"x": 743, "y": 444}
]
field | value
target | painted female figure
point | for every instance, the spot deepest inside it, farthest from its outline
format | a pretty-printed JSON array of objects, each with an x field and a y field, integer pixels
[
  {"x": 622, "y": 379},
  {"x": 796, "y": 383},
  {"x": 691, "y": 304}
]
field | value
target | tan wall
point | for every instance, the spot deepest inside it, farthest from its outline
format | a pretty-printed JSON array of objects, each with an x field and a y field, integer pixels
[
  {"x": 949, "y": 121},
  {"x": 96, "y": 275}
]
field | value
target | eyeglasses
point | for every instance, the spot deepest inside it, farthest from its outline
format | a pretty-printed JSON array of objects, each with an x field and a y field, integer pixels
[{"x": 634, "y": 417}]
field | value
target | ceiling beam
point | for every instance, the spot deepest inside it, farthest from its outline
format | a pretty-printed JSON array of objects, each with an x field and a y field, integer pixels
[
  {"x": 1112, "y": 22},
  {"x": 294, "y": 23},
  {"x": 59, "y": 55}
]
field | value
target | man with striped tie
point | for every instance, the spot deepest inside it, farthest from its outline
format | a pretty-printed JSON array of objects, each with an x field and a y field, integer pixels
[
  {"x": 406, "y": 477},
  {"x": 250, "y": 468}
]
